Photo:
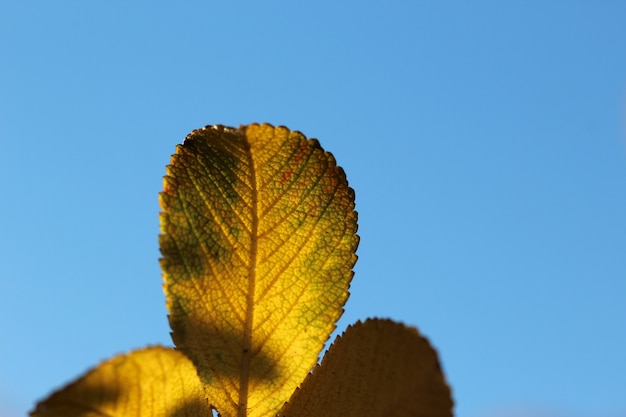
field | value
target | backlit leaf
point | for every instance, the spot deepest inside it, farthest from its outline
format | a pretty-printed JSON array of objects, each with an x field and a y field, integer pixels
[
  {"x": 258, "y": 240},
  {"x": 152, "y": 382},
  {"x": 376, "y": 368}
]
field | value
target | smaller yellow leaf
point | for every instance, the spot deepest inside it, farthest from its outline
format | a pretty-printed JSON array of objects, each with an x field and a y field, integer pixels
[
  {"x": 152, "y": 382},
  {"x": 377, "y": 368}
]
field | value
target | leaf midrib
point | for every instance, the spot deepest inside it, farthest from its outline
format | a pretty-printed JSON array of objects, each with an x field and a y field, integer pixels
[{"x": 246, "y": 349}]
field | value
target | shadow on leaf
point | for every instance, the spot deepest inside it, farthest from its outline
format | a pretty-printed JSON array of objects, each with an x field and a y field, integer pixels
[
  {"x": 218, "y": 353},
  {"x": 80, "y": 398},
  {"x": 194, "y": 407}
]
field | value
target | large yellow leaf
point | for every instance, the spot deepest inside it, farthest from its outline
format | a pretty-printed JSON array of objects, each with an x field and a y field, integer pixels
[
  {"x": 258, "y": 241},
  {"x": 375, "y": 369},
  {"x": 152, "y": 382}
]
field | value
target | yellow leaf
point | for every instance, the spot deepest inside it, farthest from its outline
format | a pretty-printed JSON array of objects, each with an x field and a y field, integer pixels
[
  {"x": 258, "y": 240},
  {"x": 152, "y": 382},
  {"x": 375, "y": 369}
]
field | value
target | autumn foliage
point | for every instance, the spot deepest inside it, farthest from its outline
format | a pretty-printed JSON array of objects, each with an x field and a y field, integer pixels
[{"x": 258, "y": 237}]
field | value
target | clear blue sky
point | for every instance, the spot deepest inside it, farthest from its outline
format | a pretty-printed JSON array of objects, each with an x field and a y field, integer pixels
[{"x": 485, "y": 141}]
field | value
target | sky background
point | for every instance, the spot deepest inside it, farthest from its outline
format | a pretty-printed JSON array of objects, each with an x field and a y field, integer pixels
[{"x": 485, "y": 141}]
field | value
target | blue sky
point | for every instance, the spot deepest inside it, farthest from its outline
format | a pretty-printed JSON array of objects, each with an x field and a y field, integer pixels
[{"x": 485, "y": 141}]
